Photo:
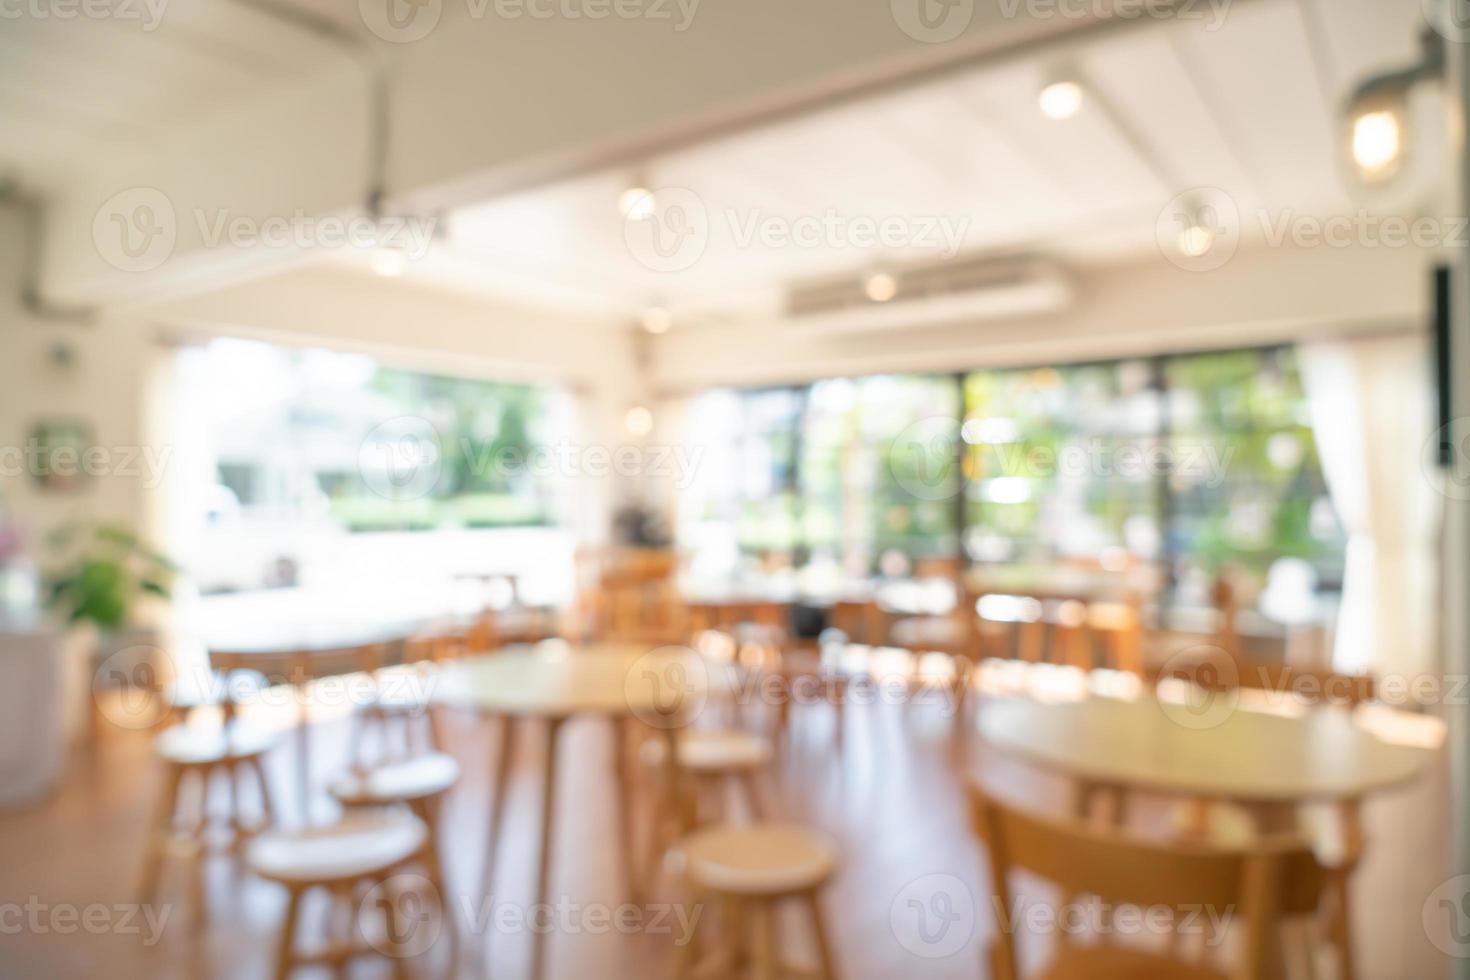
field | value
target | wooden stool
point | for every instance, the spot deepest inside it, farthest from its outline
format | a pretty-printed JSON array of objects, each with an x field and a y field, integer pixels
[
  {"x": 347, "y": 860},
  {"x": 710, "y": 763},
  {"x": 192, "y": 750},
  {"x": 418, "y": 785},
  {"x": 748, "y": 870}
]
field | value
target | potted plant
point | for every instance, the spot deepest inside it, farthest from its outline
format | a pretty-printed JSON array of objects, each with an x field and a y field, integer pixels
[{"x": 105, "y": 574}]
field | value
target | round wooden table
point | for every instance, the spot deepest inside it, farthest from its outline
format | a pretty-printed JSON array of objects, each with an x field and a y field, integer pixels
[
  {"x": 552, "y": 683},
  {"x": 1240, "y": 755},
  {"x": 1213, "y": 750}
]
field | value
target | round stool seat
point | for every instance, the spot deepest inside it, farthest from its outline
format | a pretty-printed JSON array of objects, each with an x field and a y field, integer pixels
[
  {"x": 722, "y": 750},
  {"x": 757, "y": 859},
  {"x": 359, "y": 846},
  {"x": 399, "y": 782},
  {"x": 196, "y": 745}
]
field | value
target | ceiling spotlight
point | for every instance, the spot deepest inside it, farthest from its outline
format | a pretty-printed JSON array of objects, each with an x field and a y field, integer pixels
[
  {"x": 638, "y": 421},
  {"x": 636, "y": 203},
  {"x": 1196, "y": 240},
  {"x": 1378, "y": 143},
  {"x": 1061, "y": 99},
  {"x": 656, "y": 319},
  {"x": 1377, "y": 112},
  {"x": 880, "y": 287},
  {"x": 388, "y": 261}
]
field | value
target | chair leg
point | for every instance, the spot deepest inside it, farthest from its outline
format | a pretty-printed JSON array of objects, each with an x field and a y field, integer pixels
[
  {"x": 685, "y": 953},
  {"x": 159, "y": 833},
  {"x": 1340, "y": 924},
  {"x": 764, "y": 921},
  {"x": 428, "y": 812},
  {"x": 267, "y": 801},
  {"x": 825, "y": 968},
  {"x": 754, "y": 798},
  {"x": 286, "y": 952}
]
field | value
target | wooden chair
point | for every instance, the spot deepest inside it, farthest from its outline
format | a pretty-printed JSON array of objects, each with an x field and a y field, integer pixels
[
  {"x": 1264, "y": 885},
  {"x": 1341, "y": 839},
  {"x": 348, "y": 860},
  {"x": 748, "y": 870},
  {"x": 399, "y": 705},
  {"x": 1086, "y": 635},
  {"x": 204, "y": 755}
]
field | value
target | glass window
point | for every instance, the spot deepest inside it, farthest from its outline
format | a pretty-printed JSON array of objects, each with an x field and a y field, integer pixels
[
  {"x": 1247, "y": 489},
  {"x": 1060, "y": 463}
]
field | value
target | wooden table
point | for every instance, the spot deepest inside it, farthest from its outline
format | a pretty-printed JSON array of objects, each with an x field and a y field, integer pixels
[
  {"x": 1242, "y": 755},
  {"x": 299, "y": 635},
  {"x": 1266, "y": 762},
  {"x": 621, "y": 682}
]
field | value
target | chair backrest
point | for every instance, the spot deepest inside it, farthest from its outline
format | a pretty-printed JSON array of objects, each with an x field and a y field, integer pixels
[
  {"x": 1215, "y": 670},
  {"x": 1271, "y": 880}
]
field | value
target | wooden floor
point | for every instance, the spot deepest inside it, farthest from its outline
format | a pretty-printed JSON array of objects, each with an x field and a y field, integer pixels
[{"x": 893, "y": 798}]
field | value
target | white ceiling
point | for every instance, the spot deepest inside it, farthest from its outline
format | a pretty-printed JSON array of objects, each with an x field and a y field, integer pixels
[
  {"x": 78, "y": 89},
  {"x": 1248, "y": 108}
]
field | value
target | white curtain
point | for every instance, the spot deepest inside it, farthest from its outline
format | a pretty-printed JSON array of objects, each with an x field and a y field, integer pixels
[{"x": 1372, "y": 412}]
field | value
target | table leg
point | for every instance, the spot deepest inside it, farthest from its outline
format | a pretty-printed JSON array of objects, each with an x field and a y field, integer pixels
[
  {"x": 548, "y": 823},
  {"x": 1273, "y": 819},
  {"x": 621, "y": 733},
  {"x": 303, "y": 761},
  {"x": 497, "y": 802}
]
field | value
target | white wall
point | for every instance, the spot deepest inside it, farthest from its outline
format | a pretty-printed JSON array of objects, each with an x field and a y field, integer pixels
[{"x": 1146, "y": 306}]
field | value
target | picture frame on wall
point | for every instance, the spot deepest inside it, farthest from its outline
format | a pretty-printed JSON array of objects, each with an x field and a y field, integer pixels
[{"x": 57, "y": 447}]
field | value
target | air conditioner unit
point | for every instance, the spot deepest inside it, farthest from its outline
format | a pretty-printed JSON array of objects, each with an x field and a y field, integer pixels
[{"x": 975, "y": 289}]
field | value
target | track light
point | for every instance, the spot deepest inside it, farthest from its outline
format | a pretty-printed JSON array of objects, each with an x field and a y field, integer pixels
[{"x": 1377, "y": 113}]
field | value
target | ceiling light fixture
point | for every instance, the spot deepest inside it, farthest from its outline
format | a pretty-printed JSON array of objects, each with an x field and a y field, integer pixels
[
  {"x": 636, "y": 202},
  {"x": 880, "y": 287},
  {"x": 1062, "y": 99},
  {"x": 1377, "y": 113},
  {"x": 657, "y": 319},
  {"x": 638, "y": 421},
  {"x": 389, "y": 261}
]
